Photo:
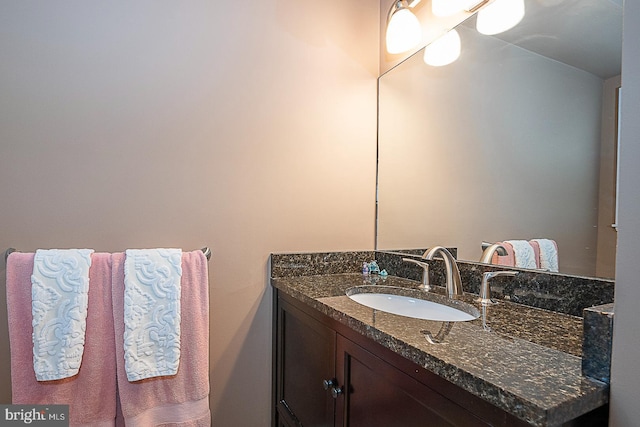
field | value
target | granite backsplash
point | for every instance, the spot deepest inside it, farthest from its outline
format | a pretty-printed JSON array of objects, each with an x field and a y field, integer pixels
[{"x": 549, "y": 291}]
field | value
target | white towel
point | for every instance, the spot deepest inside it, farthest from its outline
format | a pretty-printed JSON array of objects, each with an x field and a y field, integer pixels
[
  {"x": 523, "y": 251},
  {"x": 59, "y": 300},
  {"x": 152, "y": 312},
  {"x": 548, "y": 254}
]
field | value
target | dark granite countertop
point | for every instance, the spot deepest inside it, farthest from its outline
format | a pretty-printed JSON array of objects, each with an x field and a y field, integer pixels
[{"x": 524, "y": 360}]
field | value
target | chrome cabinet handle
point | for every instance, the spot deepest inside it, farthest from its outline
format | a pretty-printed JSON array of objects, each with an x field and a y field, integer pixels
[
  {"x": 336, "y": 391},
  {"x": 332, "y": 385}
]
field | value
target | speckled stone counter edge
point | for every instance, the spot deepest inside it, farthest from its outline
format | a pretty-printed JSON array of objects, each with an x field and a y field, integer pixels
[{"x": 596, "y": 344}]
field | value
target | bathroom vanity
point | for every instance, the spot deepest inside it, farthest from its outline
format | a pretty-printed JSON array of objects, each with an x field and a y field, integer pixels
[{"x": 337, "y": 362}]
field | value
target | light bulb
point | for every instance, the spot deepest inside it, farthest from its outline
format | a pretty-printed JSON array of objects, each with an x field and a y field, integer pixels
[
  {"x": 447, "y": 7},
  {"x": 403, "y": 31},
  {"x": 499, "y": 16},
  {"x": 444, "y": 50}
]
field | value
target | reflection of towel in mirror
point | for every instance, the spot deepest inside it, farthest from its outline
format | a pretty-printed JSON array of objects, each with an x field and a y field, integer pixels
[
  {"x": 547, "y": 254},
  {"x": 508, "y": 259},
  {"x": 523, "y": 253},
  {"x": 519, "y": 254}
]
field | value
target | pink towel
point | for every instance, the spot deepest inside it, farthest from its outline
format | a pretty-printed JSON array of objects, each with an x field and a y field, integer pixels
[
  {"x": 181, "y": 399},
  {"x": 530, "y": 259},
  {"x": 91, "y": 394},
  {"x": 536, "y": 252},
  {"x": 509, "y": 259}
]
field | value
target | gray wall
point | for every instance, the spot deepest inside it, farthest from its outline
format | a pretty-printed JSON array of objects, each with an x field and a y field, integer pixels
[
  {"x": 246, "y": 126},
  {"x": 625, "y": 374}
]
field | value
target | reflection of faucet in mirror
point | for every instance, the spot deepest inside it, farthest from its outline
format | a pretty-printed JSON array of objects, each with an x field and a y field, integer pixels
[
  {"x": 489, "y": 249},
  {"x": 485, "y": 288},
  {"x": 453, "y": 280},
  {"x": 425, "y": 273}
]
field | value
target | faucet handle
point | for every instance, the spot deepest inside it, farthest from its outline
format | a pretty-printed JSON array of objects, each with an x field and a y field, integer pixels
[
  {"x": 485, "y": 288},
  {"x": 425, "y": 286}
]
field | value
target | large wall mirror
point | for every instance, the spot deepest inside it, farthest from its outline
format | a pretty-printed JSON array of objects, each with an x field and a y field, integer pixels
[{"x": 517, "y": 139}]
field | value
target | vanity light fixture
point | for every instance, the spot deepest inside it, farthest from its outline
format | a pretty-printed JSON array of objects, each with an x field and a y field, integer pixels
[
  {"x": 475, "y": 5},
  {"x": 448, "y": 7},
  {"x": 404, "y": 31},
  {"x": 443, "y": 50},
  {"x": 499, "y": 16}
]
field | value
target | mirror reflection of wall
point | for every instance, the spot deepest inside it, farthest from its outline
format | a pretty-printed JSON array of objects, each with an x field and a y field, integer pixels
[{"x": 502, "y": 144}]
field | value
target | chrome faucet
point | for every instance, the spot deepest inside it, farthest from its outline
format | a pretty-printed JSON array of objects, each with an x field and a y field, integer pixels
[
  {"x": 489, "y": 249},
  {"x": 425, "y": 273},
  {"x": 485, "y": 288},
  {"x": 453, "y": 280}
]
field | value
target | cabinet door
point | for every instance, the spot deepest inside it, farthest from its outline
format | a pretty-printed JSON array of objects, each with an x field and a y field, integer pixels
[
  {"x": 305, "y": 358},
  {"x": 376, "y": 394}
]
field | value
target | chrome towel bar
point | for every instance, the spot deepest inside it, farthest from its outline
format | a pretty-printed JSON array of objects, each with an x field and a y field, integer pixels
[{"x": 205, "y": 250}]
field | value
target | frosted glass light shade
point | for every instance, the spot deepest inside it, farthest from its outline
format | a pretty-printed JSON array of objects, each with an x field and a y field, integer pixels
[
  {"x": 444, "y": 50},
  {"x": 448, "y": 7},
  {"x": 499, "y": 16},
  {"x": 403, "y": 31}
]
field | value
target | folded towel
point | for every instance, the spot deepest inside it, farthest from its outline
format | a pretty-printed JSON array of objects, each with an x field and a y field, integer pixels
[
  {"x": 91, "y": 394},
  {"x": 547, "y": 254},
  {"x": 182, "y": 398},
  {"x": 59, "y": 297},
  {"x": 519, "y": 254},
  {"x": 152, "y": 312},
  {"x": 523, "y": 253}
]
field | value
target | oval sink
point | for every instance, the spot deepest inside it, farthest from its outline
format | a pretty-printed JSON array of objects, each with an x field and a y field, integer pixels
[{"x": 413, "y": 303}]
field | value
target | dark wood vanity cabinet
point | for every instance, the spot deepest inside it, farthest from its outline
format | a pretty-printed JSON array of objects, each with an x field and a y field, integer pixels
[
  {"x": 305, "y": 359},
  {"x": 378, "y": 394},
  {"x": 328, "y": 375}
]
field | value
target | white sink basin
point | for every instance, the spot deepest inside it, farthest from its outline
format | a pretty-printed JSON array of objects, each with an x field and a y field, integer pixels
[{"x": 413, "y": 303}]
